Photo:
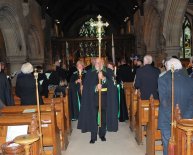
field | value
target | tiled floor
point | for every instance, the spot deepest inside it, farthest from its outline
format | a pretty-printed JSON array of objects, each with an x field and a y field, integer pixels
[{"x": 119, "y": 143}]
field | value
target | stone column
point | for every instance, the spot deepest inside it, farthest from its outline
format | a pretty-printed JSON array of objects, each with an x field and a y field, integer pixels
[{"x": 15, "y": 63}]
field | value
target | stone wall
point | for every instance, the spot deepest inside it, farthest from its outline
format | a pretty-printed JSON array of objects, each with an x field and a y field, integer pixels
[{"x": 23, "y": 32}]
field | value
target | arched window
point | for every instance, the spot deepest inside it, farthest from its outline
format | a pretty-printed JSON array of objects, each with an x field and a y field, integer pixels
[
  {"x": 186, "y": 41},
  {"x": 87, "y": 30},
  {"x": 89, "y": 47}
]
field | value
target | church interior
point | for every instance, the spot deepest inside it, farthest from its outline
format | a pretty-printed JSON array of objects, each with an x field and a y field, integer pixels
[{"x": 64, "y": 33}]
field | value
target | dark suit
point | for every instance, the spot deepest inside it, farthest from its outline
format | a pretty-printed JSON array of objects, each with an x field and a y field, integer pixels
[
  {"x": 183, "y": 95},
  {"x": 147, "y": 81},
  {"x": 26, "y": 89},
  {"x": 124, "y": 73}
]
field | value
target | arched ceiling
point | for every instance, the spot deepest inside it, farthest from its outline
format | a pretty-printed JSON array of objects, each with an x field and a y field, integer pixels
[{"x": 70, "y": 11}]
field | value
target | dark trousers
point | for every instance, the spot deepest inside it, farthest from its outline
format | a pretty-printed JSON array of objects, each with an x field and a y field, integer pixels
[
  {"x": 102, "y": 129},
  {"x": 165, "y": 139}
]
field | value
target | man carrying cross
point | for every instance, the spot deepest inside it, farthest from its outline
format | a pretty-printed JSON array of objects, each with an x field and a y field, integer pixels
[
  {"x": 89, "y": 116},
  {"x": 99, "y": 98}
]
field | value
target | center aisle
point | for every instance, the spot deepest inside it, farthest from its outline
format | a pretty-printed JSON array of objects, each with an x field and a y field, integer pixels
[{"x": 120, "y": 143}]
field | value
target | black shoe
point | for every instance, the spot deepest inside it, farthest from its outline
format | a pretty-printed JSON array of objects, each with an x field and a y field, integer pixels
[
  {"x": 103, "y": 138},
  {"x": 92, "y": 141}
]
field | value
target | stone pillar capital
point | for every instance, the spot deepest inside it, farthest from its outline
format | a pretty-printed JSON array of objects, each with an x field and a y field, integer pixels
[{"x": 172, "y": 50}]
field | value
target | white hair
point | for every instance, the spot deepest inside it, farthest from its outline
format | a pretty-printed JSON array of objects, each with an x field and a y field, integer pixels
[
  {"x": 173, "y": 62},
  {"x": 147, "y": 60},
  {"x": 27, "y": 68}
]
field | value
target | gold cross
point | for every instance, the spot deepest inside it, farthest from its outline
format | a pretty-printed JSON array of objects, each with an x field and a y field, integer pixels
[{"x": 99, "y": 24}]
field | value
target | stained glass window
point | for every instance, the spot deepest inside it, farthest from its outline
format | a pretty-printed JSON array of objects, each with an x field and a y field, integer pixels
[
  {"x": 185, "y": 41},
  {"x": 87, "y": 30}
]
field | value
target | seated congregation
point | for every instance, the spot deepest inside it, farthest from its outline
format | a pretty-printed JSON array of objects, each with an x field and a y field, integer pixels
[{"x": 157, "y": 105}]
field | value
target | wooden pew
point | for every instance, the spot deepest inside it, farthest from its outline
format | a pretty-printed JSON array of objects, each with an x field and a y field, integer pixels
[
  {"x": 127, "y": 87},
  {"x": 17, "y": 100},
  {"x": 63, "y": 120},
  {"x": 60, "y": 118},
  {"x": 142, "y": 115},
  {"x": 183, "y": 134},
  {"x": 66, "y": 108},
  {"x": 133, "y": 109},
  {"x": 153, "y": 134},
  {"x": 30, "y": 120},
  {"x": 50, "y": 131}
]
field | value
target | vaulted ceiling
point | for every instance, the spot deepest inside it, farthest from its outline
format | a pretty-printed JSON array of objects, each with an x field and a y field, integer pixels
[{"x": 70, "y": 11}]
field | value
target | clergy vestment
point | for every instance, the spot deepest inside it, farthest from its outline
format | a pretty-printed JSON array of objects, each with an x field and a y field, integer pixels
[
  {"x": 87, "y": 121},
  {"x": 75, "y": 94}
]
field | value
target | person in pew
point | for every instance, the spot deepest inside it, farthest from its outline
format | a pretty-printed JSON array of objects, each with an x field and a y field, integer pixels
[
  {"x": 147, "y": 79},
  {"x": 53, "y": 75},
  {"x": 122, "y": 112},
  {"x": 60, "y": 89},
  {"x": 190, "y": 68},
  {"x": 124, "y": 73},
  {"x": 6, "y": 97},
  {"x": 26, "y": 86},
  {"x": 88, "y": 117},
  {"x": 43, "y": 81},
  {"x": 183, "y": 95},
  {"x": 75, "y": 89}
]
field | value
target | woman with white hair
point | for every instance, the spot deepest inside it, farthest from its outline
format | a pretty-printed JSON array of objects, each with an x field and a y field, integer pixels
[
  {"x": 75, "y": 89},
  {"x": 25, "y": 85},
  {"x": 183, "y": 95}
]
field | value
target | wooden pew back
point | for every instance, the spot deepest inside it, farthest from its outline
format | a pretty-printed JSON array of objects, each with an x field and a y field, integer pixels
[
  {"x": 142, "y": 117},
  {"x": 132, "y": 109},
  {"x": 153, "y": 134},
  {"x": 183, "y": 134},
  {"x": 127, "y": 87}
]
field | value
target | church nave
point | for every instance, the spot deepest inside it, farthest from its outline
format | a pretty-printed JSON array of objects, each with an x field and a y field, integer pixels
[{"x": 118, "y": 143}]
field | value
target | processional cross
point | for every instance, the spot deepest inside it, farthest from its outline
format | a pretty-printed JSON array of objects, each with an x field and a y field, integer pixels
[{"x": 99, "y": 24}]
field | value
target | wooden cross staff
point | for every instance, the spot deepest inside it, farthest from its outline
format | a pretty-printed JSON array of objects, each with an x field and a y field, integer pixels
[
  {"x": 99, "y": 24},
  {"x": 39, "y": 113}
]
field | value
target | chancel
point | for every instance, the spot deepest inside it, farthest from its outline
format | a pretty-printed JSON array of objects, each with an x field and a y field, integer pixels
[{"x": 104, "y": 77}]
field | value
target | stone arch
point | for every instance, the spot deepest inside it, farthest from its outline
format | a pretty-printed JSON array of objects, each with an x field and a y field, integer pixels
[
  {"x": 12, "y": 32},
  {"x": 35, "y": 50},
  {"x": 172, "y": 23}
]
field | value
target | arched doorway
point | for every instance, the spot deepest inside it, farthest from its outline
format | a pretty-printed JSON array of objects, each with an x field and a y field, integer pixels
[{"x": 13, "y": 36}]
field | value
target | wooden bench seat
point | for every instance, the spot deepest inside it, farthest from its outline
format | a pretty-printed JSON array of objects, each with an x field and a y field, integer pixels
[{"x": 30, "y": 120}]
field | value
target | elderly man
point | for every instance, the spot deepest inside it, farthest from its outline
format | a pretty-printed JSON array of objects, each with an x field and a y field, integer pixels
[
  {"x": 5, "y": 90},
  {"x": 87, "y": 121},
  {"x": 183, "y": 95},
  {"x": 147, "y": 79}
]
